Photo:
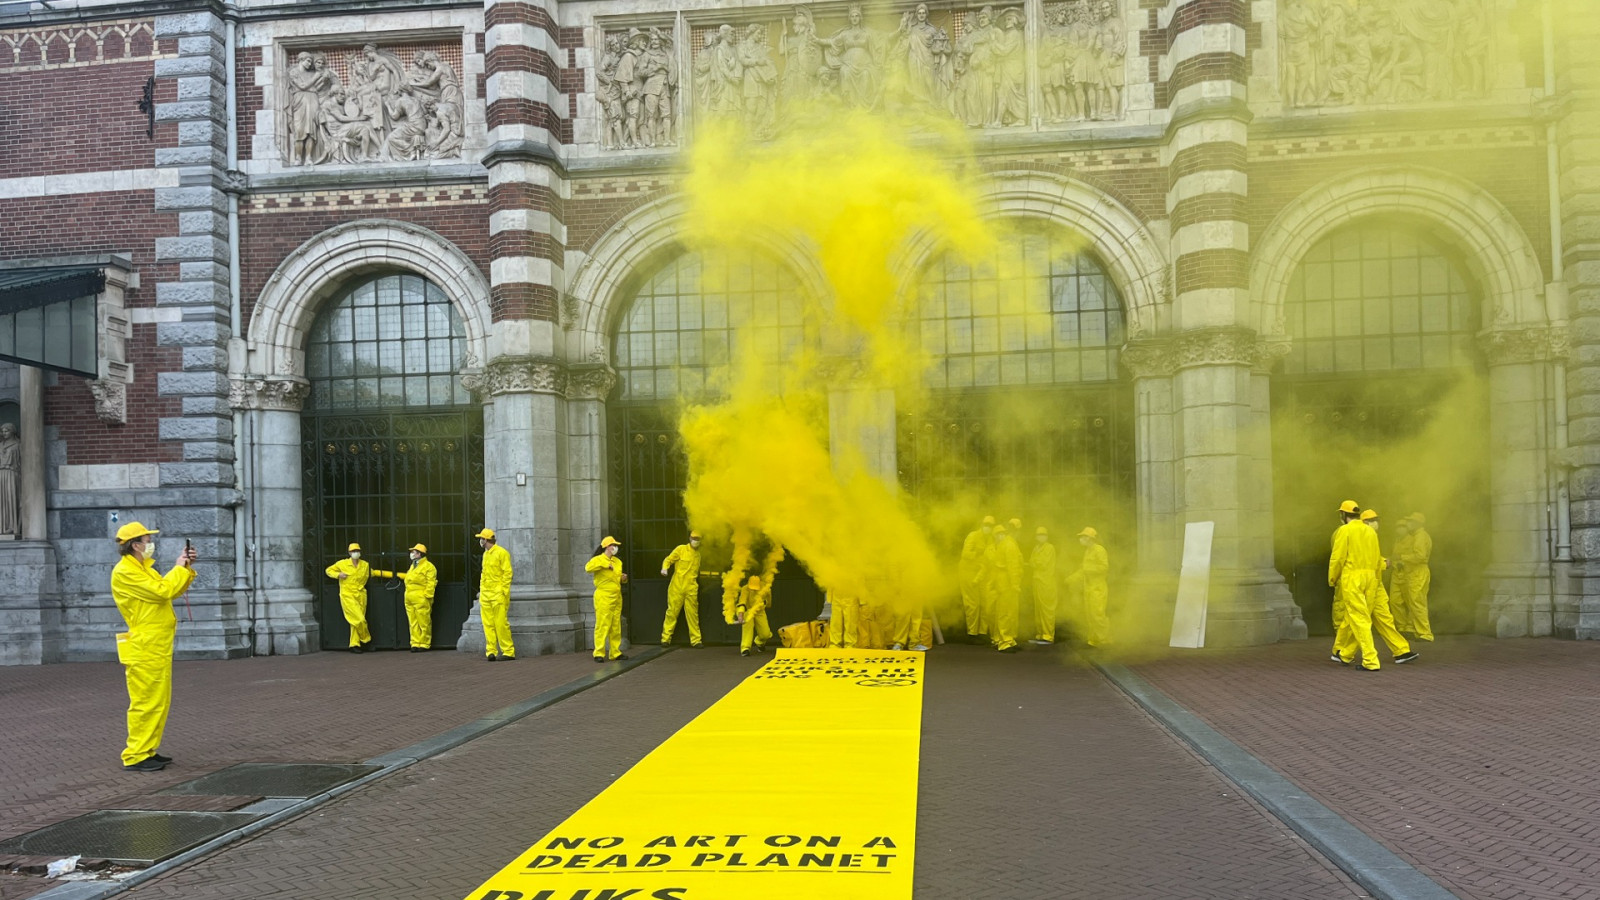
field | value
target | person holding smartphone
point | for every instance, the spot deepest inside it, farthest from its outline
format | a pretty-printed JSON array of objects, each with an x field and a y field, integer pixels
[{"x": 144, "y": 597}]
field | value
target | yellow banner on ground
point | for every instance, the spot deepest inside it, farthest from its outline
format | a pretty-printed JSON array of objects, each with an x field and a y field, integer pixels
[{"x": 801, "y": 783}]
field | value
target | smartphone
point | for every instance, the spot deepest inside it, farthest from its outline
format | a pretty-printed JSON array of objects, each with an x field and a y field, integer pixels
[{"x": 188, "y": 547}]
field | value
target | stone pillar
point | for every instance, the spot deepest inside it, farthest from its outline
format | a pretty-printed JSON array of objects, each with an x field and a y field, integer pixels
[
  {"x": 526, "y": 480},
  {"x": 278, "y": 616},
  {"x": 1578, "y": 144},
  {"x": 31, "y": 521},
  {"x": 30, "y": 603},
  {"x": 588, "y": 481},
  {"x": 200, "y": 488}
]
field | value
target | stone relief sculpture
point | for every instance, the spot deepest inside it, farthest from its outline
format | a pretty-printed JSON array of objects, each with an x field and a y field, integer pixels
[
  {"x": 10, "y": 460},
  {"x": 1347, "y": 52},
  {"x": 386, "y": 111},
  {"x": 970, "y": 66}
]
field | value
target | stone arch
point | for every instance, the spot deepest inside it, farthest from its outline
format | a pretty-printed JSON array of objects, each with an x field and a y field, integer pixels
[
  {"x": 636, "y": 241},
  {"x": 1124, "y": 243},
  {"x": 318, "y": 268},
  {"x": 1497, "y": 250}
]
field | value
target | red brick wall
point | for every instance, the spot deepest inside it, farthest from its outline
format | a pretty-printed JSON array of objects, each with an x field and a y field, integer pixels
[
  {"x": 69, "y": 407},
  {"x": 251, "y": 97},
  {"x": 80, "y": 119},
  {"x": 266, "y": 237}
]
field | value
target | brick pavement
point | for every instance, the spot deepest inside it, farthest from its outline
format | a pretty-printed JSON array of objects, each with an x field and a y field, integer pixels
[
  {"x": 65, "y": 724},
  {"x": 1039, "y": 780},
  {"x": 1476, "y": 764}
]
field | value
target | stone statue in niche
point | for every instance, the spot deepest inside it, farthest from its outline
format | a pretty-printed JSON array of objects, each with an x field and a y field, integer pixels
[
  {"x": 1083, "y": 53},
  {"x": 922, "y": 68},
  {"x": 855, "y": 54},
  {"x": 760, "y": 76},
  {"x": 386, "y": 111},
  {"x": 801, "y": 50},
  {"x": 10, "y": 462},
  {"x": 1353, "y": 52}
]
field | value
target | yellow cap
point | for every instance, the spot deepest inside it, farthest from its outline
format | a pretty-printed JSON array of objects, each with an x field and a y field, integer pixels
[
  {"x": 999, "y": 529},
  {"x": 420, "y": 548},
  {"x": 352, "y": 548},
  {"x": 1016, "y": 524},
  {"x": 133, "y": 531},
  {"x": 610, "y": 542},
  {"x": 1369, "y": 515},
  {"x": 694, "y": 535},
  {"x": 1349, "y": 506},
  {"x": 988, "y": 520},
  {"x": 1418, "y": 518},
  {"x": 1042, "y": 530},
  {"x": 487, "y": 534},
  {"x": 1089, "y": 533},
  {"x": 754, "y": 583}
]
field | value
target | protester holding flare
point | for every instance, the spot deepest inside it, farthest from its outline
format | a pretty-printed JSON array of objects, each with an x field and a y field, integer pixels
[{"x": 751, "y": 614}]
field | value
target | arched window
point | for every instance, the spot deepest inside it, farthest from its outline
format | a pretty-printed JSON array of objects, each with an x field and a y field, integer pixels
[
  {"x": 688, "y": 318},
  {"x": 391, "y": 340},
  {"x": 1374, "y": 297},
  {"x": 1038, "y": 310}
]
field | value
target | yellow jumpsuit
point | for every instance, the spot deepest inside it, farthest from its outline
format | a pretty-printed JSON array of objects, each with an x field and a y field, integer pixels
[
  {"x": 683, "y": 593},
  {"x": 844, "y": 628},
  {"x": 1046, "y": 590},
  {"x": 494, "y": 601},
  {"x": 607, "y": 572},
  {"x": 974, "y": 587},
  {"x": 1382, "y": 615},
  {"x": 1337, "y": 613},
  {"x": 353, "y": 595},
  {"x": 1007, "y": 592},
  {"x": 1090, "y": 582},
  {"x": 145, "y": 598},
  {"x": 752, "y": 603},
  {"x": 421, "y": 581},
  {"x": 1352, "y": 568},
  {"x": 1411, "y": 583}
]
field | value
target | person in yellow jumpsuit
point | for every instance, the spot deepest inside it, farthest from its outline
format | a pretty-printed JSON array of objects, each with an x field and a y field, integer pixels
[
  {"x": 1006, "y": 562},
  {"x": 352, "y": 575},
  {"x": 844, "y": 625},
  {"x": 750, "y": 612},
  {"x": 1354, "y": 566},
  {"x": 1349, "y": 511},
  {"x": 608, "y": 581},
  {"x": 1378, "y": 609},
  {"x": 974, "y": 573},
  {"x": 144, "y": 597},
  {"x": 1046, "y": 586},
  {"x": 1089, "y": 584},
  {"x": 1412, "y": 578},
  {"x": 683, "y": 591},
  {"x": 494, "y": 598},
  {"x": 422, "y": 579}
]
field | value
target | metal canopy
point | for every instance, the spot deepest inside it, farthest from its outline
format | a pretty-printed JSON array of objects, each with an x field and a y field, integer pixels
[{"x": 49, "y": 317}]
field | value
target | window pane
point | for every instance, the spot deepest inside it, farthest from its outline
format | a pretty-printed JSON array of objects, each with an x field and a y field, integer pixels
[{"x": 379, "y": 329}]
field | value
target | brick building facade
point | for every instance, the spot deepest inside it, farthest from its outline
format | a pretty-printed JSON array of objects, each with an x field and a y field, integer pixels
[{"x": 498, "y": 183}]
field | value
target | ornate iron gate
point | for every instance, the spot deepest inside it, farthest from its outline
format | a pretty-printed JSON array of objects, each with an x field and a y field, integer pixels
[
  {"x": 1311, "y": 477},
  {"x": 388, "y": 480},
  {"x": 648, "y": 476}
]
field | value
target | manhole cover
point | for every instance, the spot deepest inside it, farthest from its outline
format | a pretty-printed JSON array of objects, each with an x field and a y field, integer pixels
[
  {"x": 273, "y": 779},
  {"x": 127, "y": 837}
]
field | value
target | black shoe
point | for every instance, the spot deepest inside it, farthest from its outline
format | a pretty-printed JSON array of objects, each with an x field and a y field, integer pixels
[
  {"x": 1011, "y": 649},
  {"x": 744, "y": 652},
  {"x": 620, "y": 656},
  {"x": 489, "y": 658},
  {"x": 366, "y": 645},
  {"x": 161, "y": 759},
  {"x": 599, "y": 659},
  {"x": 505, "y": 658},
  {"x": 1338, "y": 659},
  {"x": 356, "y": 649},
  {"x": 696, "y": 646},
  {"x": 1405, "y": 657},
  {"x": 1364, "y": 669},
  {"x": 148, "y": 764}
]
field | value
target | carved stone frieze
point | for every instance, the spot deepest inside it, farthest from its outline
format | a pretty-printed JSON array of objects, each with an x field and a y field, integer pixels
[
  {"x": 1348, "y": 52},
  {"x": 517, "y": 375},
  {"x": 1161, "y": 357},
  {"x": 110, "y": 400},
  {"x": 591, "y": 382},
  {"x": 1148, "y": 358},
  {"x": 969, "y": 63},
  {"x": 1509, "y": 346},
  {"x": 355, "y": 105},
  {"x": 281, "y": 394}
]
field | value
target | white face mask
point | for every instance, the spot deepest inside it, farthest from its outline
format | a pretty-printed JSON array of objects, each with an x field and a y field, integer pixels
[
  {"x": 695, "y": 544},
  {"x": 415, "y": 556},
  {"x": 1042, "y": 538},
  {"x": 150, "y": 549},
  {"x": 355, "y": 556}
]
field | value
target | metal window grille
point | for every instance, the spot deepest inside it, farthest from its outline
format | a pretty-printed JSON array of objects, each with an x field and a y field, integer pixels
[
  {"x": 390, "y": 341},
  {"x": 697, "y": 314},
  {"x": 1379, "y": 297},
  {"x": 1038, "y": 310}
]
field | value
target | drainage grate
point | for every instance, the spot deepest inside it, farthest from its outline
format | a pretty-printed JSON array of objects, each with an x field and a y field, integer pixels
[
  {"x": 273, "y": 779},
  {"x": 127, "y": 837}
]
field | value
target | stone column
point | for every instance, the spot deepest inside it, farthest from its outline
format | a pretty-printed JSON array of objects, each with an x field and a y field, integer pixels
[
  {"x": 279, "y": 614},
  {"x": 1578, "y": 143},
  {"x": 30, "y": 604},
  {"x": 588, "y": 481},
  {"x": 525, "y": 474},
  {"x": 31, "y": 523}
]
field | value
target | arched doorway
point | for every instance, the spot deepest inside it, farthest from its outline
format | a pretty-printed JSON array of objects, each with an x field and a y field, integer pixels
[
  {"x": 1028, "y": 414},
  {"x": 1382, "y": 399},
  {"x": 684, "y": 320},
  {"x": 391, "y": 450}
]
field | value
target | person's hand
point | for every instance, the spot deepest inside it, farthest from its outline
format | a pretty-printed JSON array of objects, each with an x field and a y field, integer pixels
[
  {"x": 188, "y": 557},
  {"x": 624, "y": 577},
  {"x": 343, "y": 576},
  {"x": 663, "y": 571}
]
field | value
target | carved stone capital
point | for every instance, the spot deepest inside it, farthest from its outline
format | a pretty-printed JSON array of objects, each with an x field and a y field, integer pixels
[
  {"x": 1268, "y": 353},
  {"x": 1215, "y": 347},
  {"x": 110, "y": 401},
  {"x": 1510, "y": 346},
  {"x": 1148, "y": 358},
  {"x": 517, "y": 375},
  {"x": 591, "y": 382},
  {"x": 280, "y": 394}
]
